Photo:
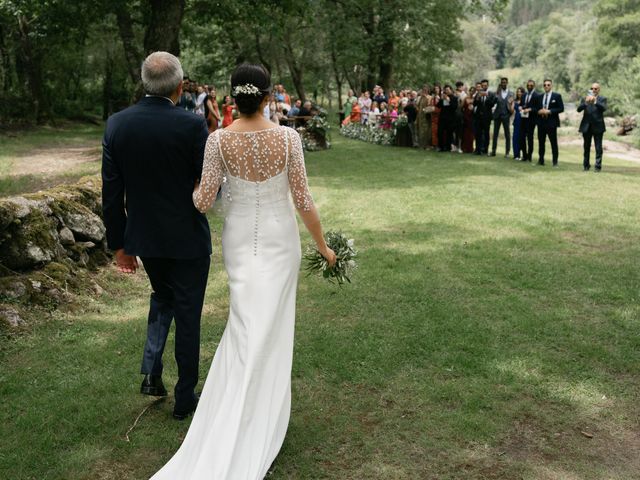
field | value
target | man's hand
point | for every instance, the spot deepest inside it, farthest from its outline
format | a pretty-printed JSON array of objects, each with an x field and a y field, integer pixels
[{"x": 126, "y": 263}]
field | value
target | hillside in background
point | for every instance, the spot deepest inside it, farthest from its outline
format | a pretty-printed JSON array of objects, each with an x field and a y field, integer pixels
[{"x": 573, "y": 42}]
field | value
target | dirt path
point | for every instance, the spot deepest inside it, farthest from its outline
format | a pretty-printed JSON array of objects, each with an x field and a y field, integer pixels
[
  {"x": 611, "y": 148},
  {"x": 53, "y": 161}
]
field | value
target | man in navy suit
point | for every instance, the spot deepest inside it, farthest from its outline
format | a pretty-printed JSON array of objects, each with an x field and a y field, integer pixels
[
  {"x": 548, "y": 109},
  {"x": 152, "y": 158},
  {"x": 482, "y": 106},
  {"x": 528, "y": 120},
  {"x": 592, "y": 125}
]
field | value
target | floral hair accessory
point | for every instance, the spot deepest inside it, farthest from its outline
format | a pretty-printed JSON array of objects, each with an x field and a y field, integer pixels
[{"x": 247, "y": 89}]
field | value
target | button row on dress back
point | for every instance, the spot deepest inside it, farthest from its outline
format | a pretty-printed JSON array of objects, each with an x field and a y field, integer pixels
[{"x": 255, "y": 226}]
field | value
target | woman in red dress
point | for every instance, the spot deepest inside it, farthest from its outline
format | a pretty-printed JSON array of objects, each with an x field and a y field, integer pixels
[
  {"x": 227, "y": 111},
  {"x": 435, "y": 115}
]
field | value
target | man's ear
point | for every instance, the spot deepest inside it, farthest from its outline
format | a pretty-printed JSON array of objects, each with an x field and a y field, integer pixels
[{"x": 179, "y": 90}]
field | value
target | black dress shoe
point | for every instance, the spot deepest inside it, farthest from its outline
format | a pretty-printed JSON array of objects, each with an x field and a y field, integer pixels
[
  {"x": 586, "y": 169},
  {"x": 152, "y": 385},
  {"x": 183, "y": 414}
]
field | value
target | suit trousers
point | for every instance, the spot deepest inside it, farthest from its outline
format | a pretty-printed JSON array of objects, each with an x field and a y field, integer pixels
[
  {"x": 527, "y": 127},
  {"x": 445, "y": 134},
  {"x": 481, "y": 130},
  {"x": 597, "y": 139},
  {"x": 545, "y": 131},
  {"x": 504, "y": 122},
  {"x": 178, "y": 292}
]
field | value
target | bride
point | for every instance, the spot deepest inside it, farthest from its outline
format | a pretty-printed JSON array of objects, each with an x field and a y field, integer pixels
[{"x": 243, "y": 412}]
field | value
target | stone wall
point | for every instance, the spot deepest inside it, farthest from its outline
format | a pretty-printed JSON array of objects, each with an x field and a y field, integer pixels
[{"x": 48, "y": 241}]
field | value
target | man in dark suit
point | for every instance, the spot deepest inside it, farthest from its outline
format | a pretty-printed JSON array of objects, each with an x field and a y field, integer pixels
[
  {"x": 482, "y": 105},
  {"x": 548, "y": 109},
  {"x": 152, "y": 157},
  {"x": 448, "y": 105},
  {"x": 528, "y": 120},
  {"x": 502, "y": 115},
  {"x": 592, "y": 125}
]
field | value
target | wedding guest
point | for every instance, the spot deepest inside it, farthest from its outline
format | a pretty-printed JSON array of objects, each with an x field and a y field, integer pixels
[
  {"x": 467, "y": 122},
  {"x": 227, "y": 111},
  {"x": 374, "y": 112},
  {"x": 517, "y": 122},
  {"x": 548, "y": 110},
  {"x": 528, "y": 121},
  {"x": 435, "y": 115},
  {"x": 394, "y": 99},
  {"x": 304, "y": 114},
  {"x": 379, "y": 95},
  {"x": 592, "y": 125},
  {"x": 411, "y": 112},
  {"x": 483, "y": 104},
  {"x": 448, "y": 105},
  {"x": 186, "y": 99},
  {"x": 387, "y": 116},
  {"x": 458, "y": 130},
  {"x": 423, "y": 120},
  {"x": 355, "y": 113},
  {"x": 348, "y": 103},
  {"x": 212, "y": 113},
  {"x": 502, "y": 115},
  {"x": 201, "y": 99},
  {"x": 295, "y": 109},
  {"x": 365, "y": 106}
]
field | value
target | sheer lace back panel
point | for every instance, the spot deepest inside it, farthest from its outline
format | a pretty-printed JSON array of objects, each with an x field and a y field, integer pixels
[{"x": 244, "y": 163}]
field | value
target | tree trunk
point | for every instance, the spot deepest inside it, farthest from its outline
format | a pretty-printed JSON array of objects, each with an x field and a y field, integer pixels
[
  {"x": 107, "y": 87},
  {"x": 386, "y": 63},
  {"x": 33, "y": 70},
  {"x": 163, "y": 31},
  {"x": 295, "y": 69},
  {"x": 261, "y": 56},
  {"x": 131, "y": 52},
  {"x": 336, "y": 73},
  {"x": 7, "y": 76}
]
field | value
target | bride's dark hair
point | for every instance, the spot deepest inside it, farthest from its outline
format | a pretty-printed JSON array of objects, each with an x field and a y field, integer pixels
[{"x": 249, "y": 74}]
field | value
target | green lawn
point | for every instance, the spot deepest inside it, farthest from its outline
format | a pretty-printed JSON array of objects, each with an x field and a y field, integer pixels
[
  {"x": 45, "y": 141},
  {"x": 493, "y": 319}
]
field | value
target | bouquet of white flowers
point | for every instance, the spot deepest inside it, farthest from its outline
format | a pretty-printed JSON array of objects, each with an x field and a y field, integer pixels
[{"x": 345, "y": 254}]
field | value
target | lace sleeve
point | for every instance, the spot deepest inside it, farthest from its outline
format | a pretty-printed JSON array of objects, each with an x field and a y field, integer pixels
[
  {"x": 297, "y": 174},
  {"x": 212, "y": 172}
]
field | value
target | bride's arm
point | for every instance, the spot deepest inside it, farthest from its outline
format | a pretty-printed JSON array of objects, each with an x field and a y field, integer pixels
[
  {"x": 204, "y": 193},
  {"x": 302, "y": 197}
]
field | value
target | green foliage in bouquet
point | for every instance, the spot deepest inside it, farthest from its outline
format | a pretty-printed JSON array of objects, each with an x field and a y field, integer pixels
[{"x": 345, "y": 263}]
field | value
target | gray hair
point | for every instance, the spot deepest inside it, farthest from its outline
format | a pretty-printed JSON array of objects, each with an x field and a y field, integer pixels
[{"x": 161, "y": 74}]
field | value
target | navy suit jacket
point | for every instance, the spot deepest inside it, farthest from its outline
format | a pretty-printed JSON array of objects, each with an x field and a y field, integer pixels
[
  {"x": 532, "y": 104},
  {"x": 555, "y": 106},
  {"x": 593, "y": 118},
  {"x": 482, "y": 110},
  {"x": 152, "y": 155}
]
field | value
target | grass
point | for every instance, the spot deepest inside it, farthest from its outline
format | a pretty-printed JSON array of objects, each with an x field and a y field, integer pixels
[
  {"x": 493, "y": 319},
  {"x": 24, "y": 143}
]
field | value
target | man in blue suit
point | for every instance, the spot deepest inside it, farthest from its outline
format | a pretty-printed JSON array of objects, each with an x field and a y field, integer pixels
[
  {"x": 592, "y": 125},
  {"x": 528, "y": 120},
  {"x": 152, "y": 158},
  {"x": 548, "y": 109}
]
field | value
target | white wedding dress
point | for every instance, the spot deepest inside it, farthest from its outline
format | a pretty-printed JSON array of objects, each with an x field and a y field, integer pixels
[{"x": 241, "y": 419}]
